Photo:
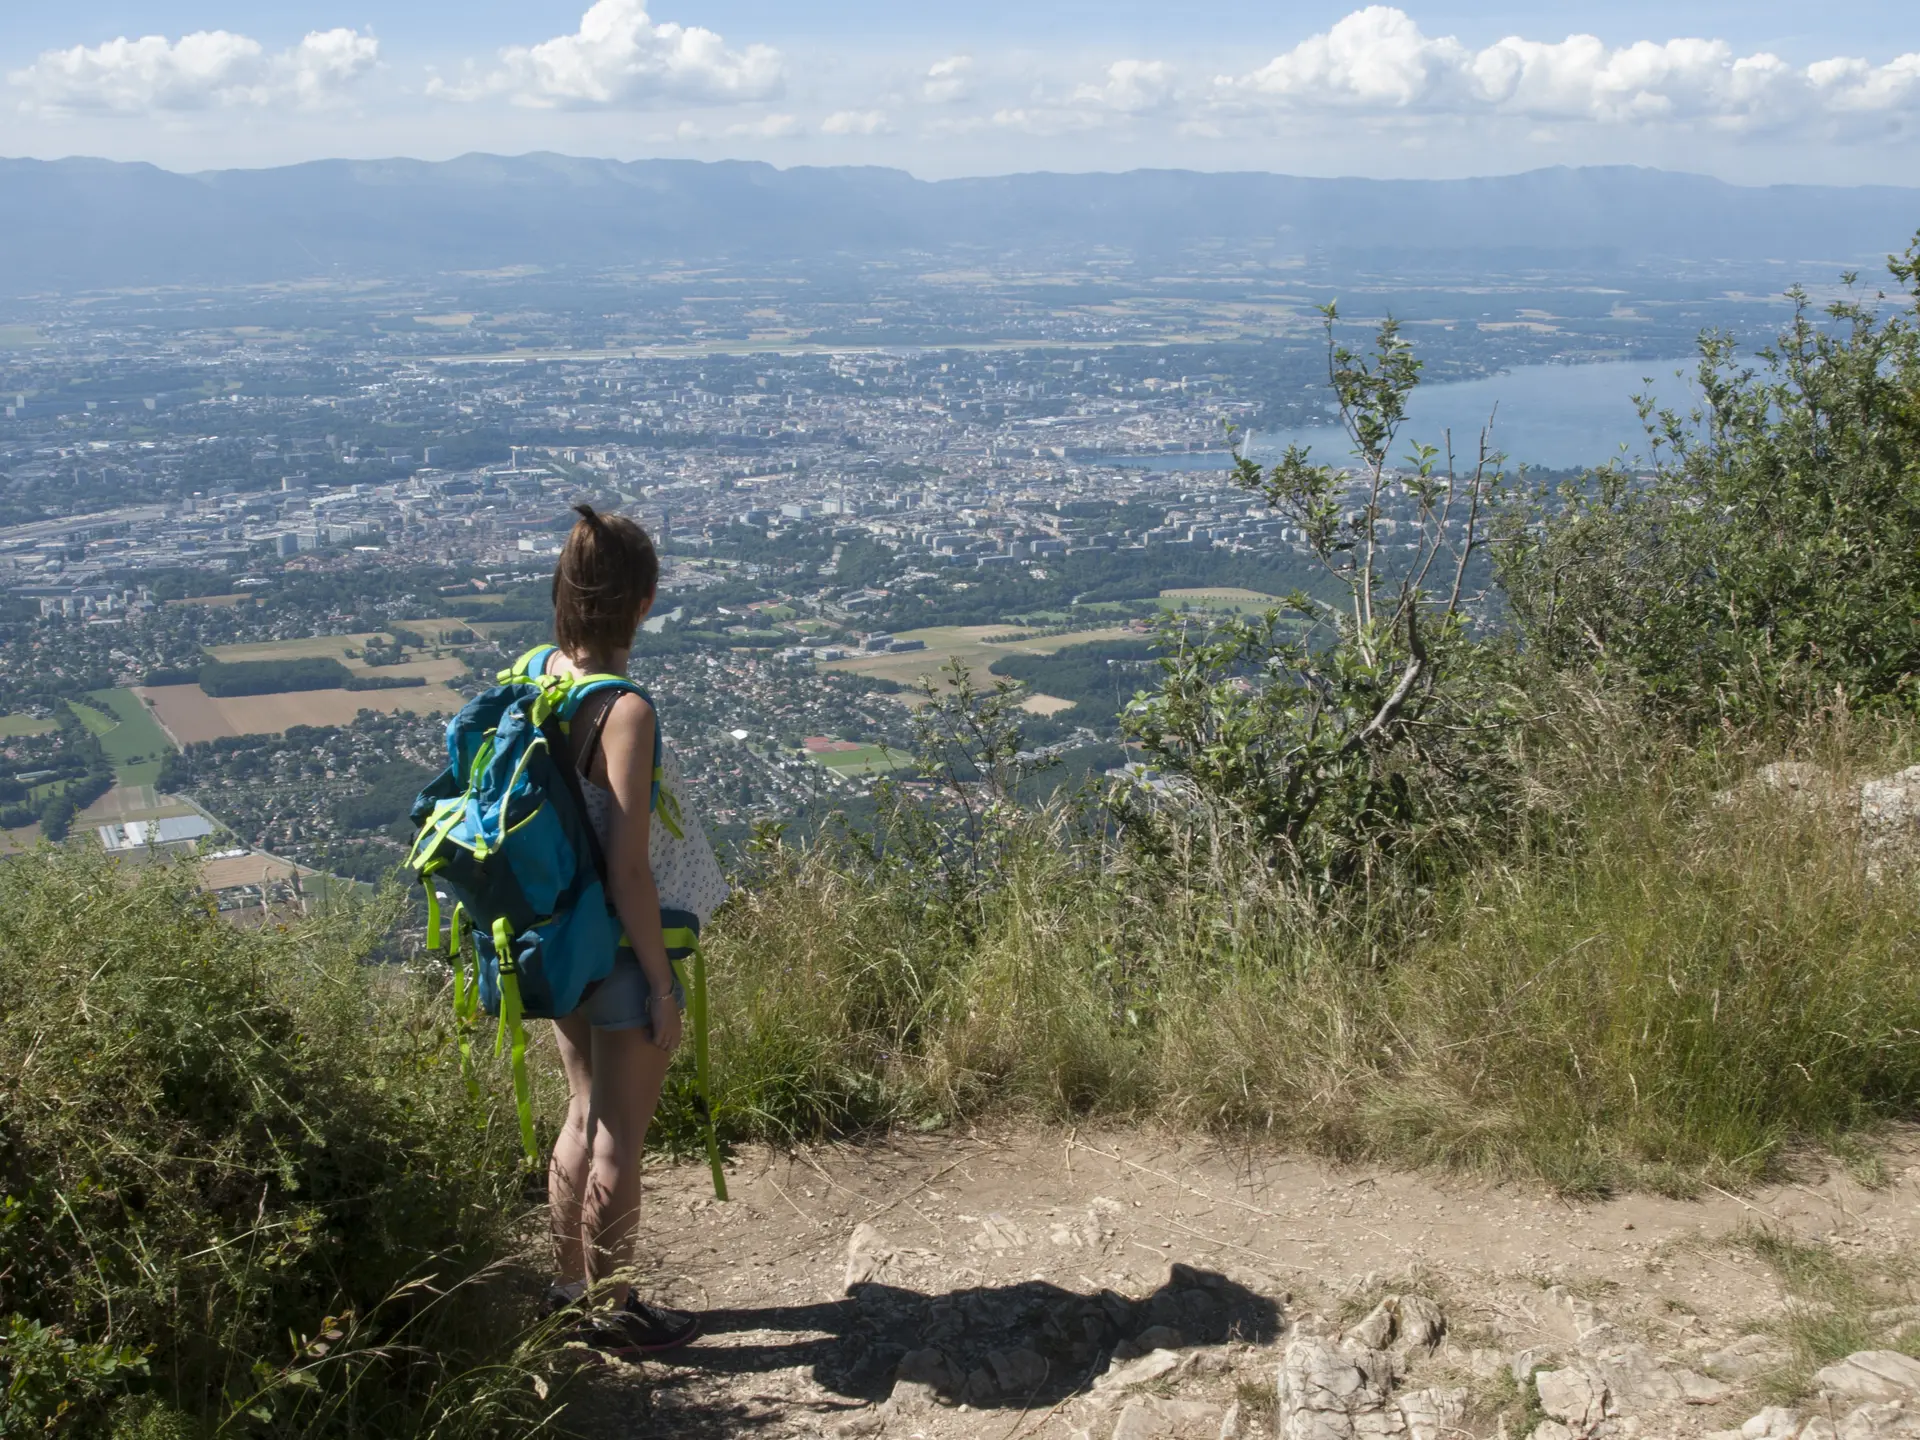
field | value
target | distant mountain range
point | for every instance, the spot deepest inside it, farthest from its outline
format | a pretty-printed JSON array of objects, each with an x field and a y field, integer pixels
[{"x": 86, "y": 224}]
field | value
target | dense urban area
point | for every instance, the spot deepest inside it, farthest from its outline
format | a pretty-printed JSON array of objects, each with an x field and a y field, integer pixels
[{"x": 254, "y": 547}]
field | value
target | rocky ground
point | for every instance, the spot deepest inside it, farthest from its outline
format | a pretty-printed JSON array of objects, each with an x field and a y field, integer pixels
[{"x": 1116, "y": 1287}]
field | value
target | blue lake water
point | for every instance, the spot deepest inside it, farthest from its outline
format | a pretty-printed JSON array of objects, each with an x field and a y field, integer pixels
[{"x": 1559, "y": 416}]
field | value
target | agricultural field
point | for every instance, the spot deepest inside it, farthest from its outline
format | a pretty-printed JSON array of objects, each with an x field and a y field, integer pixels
[
  {"x": 336, "y": 647},
  {"x": 978, "y": 646},
  {"x": 1045, "y": 704},
  {"x": 130, "y": 802},
  {"x": 190, "y": 714},
  {"x": 216, "y": 602},
  {"x": 133, "y": 742}
]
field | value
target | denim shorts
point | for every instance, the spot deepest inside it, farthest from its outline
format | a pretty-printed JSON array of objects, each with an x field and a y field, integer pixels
[{"x": 624, "y": 1000}]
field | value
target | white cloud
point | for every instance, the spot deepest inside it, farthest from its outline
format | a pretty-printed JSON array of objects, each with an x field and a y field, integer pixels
[
  {"x": 1378, "y": 60},
  {"x": 946, "y": 80},
  {"x": 767, "y": 127},
  {"x": 1131, "y": 86},
  {"x": 1047, "y": 120},
  {"x": 856, "y": 122},
  {"x": 205, "y": 70},
  {"x": 327, "y": 62},
  {"x": 619, "y": 58}
]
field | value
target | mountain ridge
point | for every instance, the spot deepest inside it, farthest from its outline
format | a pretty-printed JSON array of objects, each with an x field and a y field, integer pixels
[{"x": 83, "y": 223}]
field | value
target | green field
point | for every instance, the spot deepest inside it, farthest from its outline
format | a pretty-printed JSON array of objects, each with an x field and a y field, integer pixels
[
  {"x": 135, "y": 744},
  {"x": 977, "y": 645},
  {"x": 20, "y": 337},
  {"x": 867, "y": 760},
  {"x": 1223, "y": 598},
  {"x": 12, "y": 727}
]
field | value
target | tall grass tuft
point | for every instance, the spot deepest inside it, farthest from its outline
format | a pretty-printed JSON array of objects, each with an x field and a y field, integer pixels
[
  {"x": 243, "y": 1187},
  {"x": 1655, "y": 988}
]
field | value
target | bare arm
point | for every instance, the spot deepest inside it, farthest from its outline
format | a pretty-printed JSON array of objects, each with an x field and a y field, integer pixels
[{"x": 627, "y": 745}]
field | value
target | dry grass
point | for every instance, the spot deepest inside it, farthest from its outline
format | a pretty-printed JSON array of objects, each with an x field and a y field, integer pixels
[{"x": 1656, "y": 991}]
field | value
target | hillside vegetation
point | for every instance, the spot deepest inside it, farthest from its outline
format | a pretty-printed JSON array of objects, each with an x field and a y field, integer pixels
[
  {"x": 1406, "y": 884},
  {"x": 243, "y": 1188}
]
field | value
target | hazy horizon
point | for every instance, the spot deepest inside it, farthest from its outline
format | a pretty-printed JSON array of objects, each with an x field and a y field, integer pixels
[{"x": 398, "y": 157}]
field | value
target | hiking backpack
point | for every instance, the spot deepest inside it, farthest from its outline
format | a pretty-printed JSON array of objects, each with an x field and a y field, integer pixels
[{"x": 503, "y": 842}]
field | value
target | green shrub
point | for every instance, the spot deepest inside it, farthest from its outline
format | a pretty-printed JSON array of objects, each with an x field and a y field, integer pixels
[
  {"x": 240, "y": 1173},
  {"x": 1359, "y": 739},
  {"x": 1766, "y": 565}
]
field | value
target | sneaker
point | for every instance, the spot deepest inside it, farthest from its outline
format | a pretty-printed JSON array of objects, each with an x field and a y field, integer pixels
[
  {"x": 637, "y": 1328},
  {"x": 564, "y": 1298}
]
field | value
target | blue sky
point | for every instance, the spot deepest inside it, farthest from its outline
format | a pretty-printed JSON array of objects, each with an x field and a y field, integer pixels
[{"x": 1755, "y": 92}]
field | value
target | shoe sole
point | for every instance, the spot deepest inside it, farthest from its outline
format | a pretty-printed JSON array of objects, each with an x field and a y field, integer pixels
[{"x": 627, "y": 1352}]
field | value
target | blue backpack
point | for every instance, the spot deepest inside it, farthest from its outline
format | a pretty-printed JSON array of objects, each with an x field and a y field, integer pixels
[{"x": 503, "y": 833}]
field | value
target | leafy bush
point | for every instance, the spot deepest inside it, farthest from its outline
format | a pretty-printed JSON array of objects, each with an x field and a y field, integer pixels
[
  {"x": 1766, "y": 565},
  {"x": 240, "y": 1174},
  {"x": 1368, "y": 725}
]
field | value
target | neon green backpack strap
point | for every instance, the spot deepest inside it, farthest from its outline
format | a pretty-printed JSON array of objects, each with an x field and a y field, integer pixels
[
  {"x": 512, "y": 1035},
  {"x": 702, "y": 1074},
  {"x": 529, "y": 666},
  {"x": 466, "y": 1010}
]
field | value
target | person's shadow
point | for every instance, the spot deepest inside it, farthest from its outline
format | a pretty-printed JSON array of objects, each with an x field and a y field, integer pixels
[{"x": 1006, "y": 1347}]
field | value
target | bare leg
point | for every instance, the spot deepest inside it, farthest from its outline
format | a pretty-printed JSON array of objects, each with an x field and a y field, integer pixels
[
  {"x": 594, "y": 1183},
  {"x": 567, "y": 1171}
]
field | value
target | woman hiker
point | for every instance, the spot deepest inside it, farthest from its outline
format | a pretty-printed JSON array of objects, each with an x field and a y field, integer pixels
[{"x": 617, "y": 1045}]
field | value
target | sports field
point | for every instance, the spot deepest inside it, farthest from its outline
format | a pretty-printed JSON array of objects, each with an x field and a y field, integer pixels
[
  {"x": 190, "y": 714},
  {"x": 14, "y": 726},
  {"x": 1223, "y": 597},
  {"x": 866, "y": 760},
  {"x": 970, "y": 644}
]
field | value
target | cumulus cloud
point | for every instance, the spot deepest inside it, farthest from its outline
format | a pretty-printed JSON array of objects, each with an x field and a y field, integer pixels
[
  {"x": 208, "y": 69},
  {"x": 1378, "y": 59},
  {"x": 946, "y": 80},
  {"x": 767, "y": 127},
  {"x": 1131, "y": 86},
  {"x": 619, "y": 58},
  {"x": 856, "y": 122}
]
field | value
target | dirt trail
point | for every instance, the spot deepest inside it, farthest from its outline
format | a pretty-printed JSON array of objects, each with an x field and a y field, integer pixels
[{"x": 1002, "y": 1285}]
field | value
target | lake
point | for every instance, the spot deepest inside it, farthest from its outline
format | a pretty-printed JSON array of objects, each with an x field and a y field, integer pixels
[{"x": 1558, "y": 416}]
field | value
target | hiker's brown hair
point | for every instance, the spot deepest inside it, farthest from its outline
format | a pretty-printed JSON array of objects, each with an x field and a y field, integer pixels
[{"x": 603, "y": 584}]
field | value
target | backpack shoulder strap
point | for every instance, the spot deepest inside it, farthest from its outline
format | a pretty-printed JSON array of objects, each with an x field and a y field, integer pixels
[
  {"x": 597, "y": 684},
  {"x": 529, "y": 665}
]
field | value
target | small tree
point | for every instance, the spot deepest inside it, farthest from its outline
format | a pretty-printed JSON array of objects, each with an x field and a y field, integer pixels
[{"x": 1361, "y": 715}]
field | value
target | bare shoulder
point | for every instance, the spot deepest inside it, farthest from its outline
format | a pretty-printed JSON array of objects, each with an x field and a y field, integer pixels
[{"x": 630, "y": 717}]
